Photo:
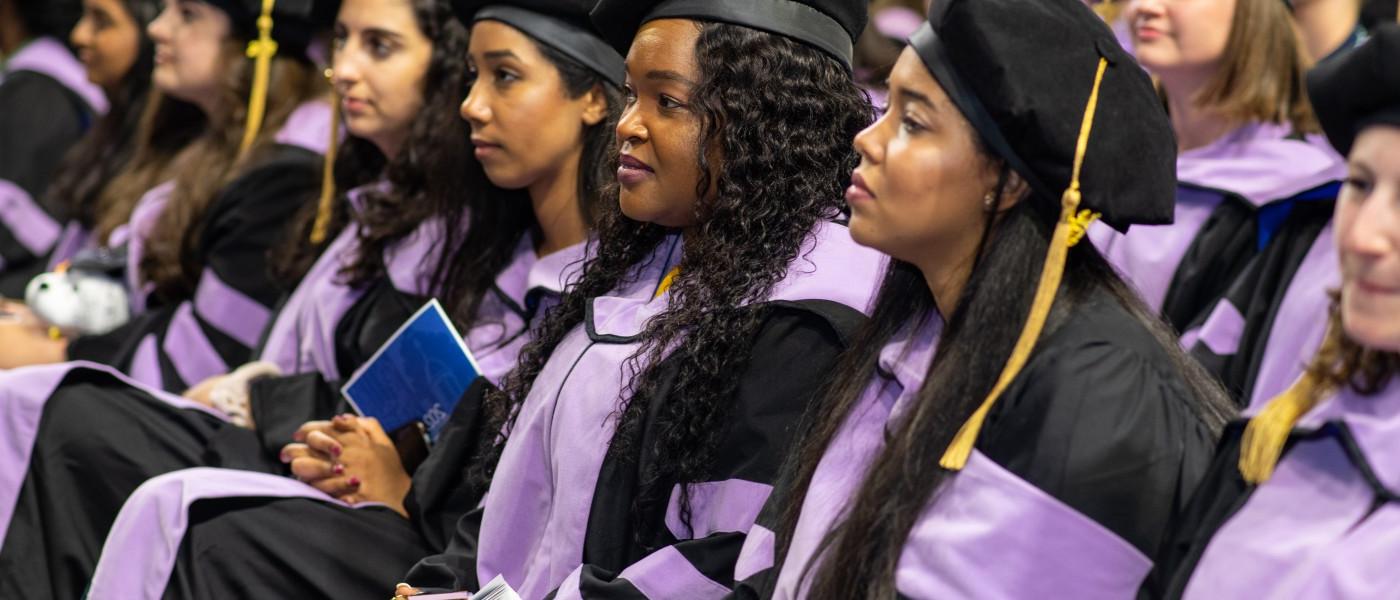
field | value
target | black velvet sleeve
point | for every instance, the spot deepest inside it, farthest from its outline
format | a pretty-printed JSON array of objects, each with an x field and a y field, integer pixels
[
  {"x": 445, "y": 503},
  {"x": 1100, "y": 420},
  {"x": 39, "y": 120},
  {"x": 246, "y": 221},
  {"x": 794, "y": 353},
  {"x": 1221, "y": 493}
]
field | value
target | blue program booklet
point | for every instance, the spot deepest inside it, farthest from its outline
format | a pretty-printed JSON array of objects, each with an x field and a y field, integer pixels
[{"x": 418, "y": 375}]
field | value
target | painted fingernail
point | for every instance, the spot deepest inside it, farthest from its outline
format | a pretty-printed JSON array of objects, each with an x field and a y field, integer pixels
[
  {"x": 354, "y": 482},
  {"x": 285, "y": 458},
  {"x": 338, "y": 469},
  {"x": 335, "y": 450}
]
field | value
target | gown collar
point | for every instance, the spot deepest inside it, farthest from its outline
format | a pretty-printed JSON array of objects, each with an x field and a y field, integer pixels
[
  {"x": 832, "y": 267},
  {"x": 1263, "y": 163}
]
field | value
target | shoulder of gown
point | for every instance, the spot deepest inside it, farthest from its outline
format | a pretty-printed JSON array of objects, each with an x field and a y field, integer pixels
[{"x": 1101, "y": 420}]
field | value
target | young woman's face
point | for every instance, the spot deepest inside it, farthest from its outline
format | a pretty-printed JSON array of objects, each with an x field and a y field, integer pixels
[
  {"x": 190, "y": 38},
  {"x": 920, "y": 191},
  {"x": 1187, "y": 36},
  {"x": 108, "y": 40},
  {"x": 526, "y": 129},
  {"x": 1367, "y": 222},
  {"x": 660, "y": 169},
  {"x": 380, "y": 64}
]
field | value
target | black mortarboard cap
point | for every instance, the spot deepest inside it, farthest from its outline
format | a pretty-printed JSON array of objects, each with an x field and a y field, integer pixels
[
  {"x": 1021, "y": 71},
  {"x": 831, "y": 26},
  {"x": 1358, "y": 89},
  {"x": 272, "y": 28},
  {"x": 294, "y": 22},
  {"x": 561, "y": 24},
  {"x": 1050, "y": 91}
]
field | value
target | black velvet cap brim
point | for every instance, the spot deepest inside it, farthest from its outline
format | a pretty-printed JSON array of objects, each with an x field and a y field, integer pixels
[
  {"x": 1358, "y": 90},
  {"x": 831, "y": 26},
  {"x": 1022, "y": 73}
]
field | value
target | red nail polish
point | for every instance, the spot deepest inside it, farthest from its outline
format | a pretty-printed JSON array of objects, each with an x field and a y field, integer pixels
[
  {"x": 338, "y": 469},
  {"x": 284, "y": 457},
  {"x": 354, "y": 482},
  {"x": 335, "y": 450}
]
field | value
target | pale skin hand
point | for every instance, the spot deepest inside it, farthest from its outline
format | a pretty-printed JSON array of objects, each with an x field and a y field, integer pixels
[
  {"x": 24, "y": 341},
  {"x": 200, "y": 393},
  {"x": 350, "y": 458}
]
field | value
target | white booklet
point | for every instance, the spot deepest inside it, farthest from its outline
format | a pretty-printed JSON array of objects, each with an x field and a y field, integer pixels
[{"x": 498, "y": 589}]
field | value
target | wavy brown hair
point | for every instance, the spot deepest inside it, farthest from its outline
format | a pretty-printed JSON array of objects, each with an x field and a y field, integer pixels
[
  {"x": 1343, "y": 363},
  {"x": 211, "y": 162},
  {"x": 781, "y": 115},
  {"x": 165, "y": 130},
  {"x": 1262, "y": 73}
]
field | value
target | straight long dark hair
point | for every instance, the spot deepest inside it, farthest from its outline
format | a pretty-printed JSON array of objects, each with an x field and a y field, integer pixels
[
  {"x": 436, "y": 176},
  {"x": 110, "y": 145},
  {"x": 781, "y": 115},
  {"x": 860, "y": 552}
]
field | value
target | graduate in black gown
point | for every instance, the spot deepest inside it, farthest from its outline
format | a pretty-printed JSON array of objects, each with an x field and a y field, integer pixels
[
  {"x": 201, "y": 287},
  {"x": 1013, "y": 422},
  {"x": 1256, "y": 183},
  {"x": 118, "y": 56},
  {"x": 494, "y": 237},
  {"x": 815, "y": 285},
  {"x": 47, "y": 103},
  {"x": 1303, "y": 499}
]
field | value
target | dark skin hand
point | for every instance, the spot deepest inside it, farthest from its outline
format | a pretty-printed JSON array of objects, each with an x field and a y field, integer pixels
[{"x": 350, "y": 458}]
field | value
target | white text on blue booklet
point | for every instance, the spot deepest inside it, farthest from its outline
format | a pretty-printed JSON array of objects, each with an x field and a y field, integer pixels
[{"x": 418, "y": 375}]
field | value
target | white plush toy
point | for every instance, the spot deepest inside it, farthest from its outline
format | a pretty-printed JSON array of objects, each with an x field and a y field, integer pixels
[{"x": 78, "y": 303}]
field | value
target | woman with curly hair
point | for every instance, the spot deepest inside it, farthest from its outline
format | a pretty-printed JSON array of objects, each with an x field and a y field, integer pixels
[
  {"x": 541, "y": 116},
  {"x": 645, "y": 423},
  {"x": 1302, "y": 500},
  {"x": 1013, "y": 422}
]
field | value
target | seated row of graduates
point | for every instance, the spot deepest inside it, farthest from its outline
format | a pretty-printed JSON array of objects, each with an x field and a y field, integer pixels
[{"x": 703, "y": 375}]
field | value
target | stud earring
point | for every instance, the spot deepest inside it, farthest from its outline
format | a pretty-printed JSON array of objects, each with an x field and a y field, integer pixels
[{"x": 988, "y": 201}]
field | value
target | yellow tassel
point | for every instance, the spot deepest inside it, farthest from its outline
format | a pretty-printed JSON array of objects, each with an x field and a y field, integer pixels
[
  {"x": 666, "y": 282},
  {"x": 1267, "y": 433},
  {"x": 1068, "y": 231},
  {"x": 326, "y": 206},
  {"x": 261, "y": 51}
]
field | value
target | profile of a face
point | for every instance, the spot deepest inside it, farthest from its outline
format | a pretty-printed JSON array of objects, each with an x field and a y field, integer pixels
[
  {"x": 658, "y": 133},
  {"x": 191, "y": 41},
  {"x": 1367, "y": 223}
]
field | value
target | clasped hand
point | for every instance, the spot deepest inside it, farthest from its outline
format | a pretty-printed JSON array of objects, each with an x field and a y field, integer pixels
[{"x": 350, "y": 458}]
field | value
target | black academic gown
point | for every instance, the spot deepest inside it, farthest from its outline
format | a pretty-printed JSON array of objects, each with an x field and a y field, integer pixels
[
  {"x": 1095, "y": 443},
  {"x": 33, "y": 141},
  {"x": 178, "y": 342},
  {"x": 241, "y": 548},
  {"x": 100, "y": 438}
]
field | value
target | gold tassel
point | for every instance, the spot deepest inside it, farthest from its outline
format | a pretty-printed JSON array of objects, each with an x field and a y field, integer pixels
[
  {"x": 261, "y": 51},
  {"x": 1267, "y": 433},
  {"x": 1068, "y": 231},
  {"x": 667, "y": 282},
  {"x": 325, "y": 207}
]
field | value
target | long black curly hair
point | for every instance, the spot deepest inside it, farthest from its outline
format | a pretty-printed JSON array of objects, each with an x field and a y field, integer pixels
[
  {"x": 436, "y": 175},
  {"x": 109, "y": 146},
  {"x": 781, "y": 115}
]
